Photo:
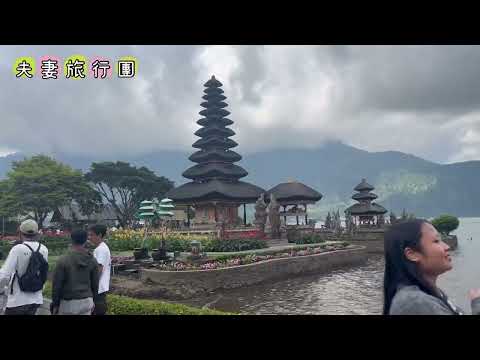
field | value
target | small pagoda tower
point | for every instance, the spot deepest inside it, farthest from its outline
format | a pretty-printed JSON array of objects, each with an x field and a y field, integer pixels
[
  {"x": 366, "y": 212},
  {"x": 165, "y": 208},
  {"x": 215, "y": 190},
  {"x": 147, "y": 209}
]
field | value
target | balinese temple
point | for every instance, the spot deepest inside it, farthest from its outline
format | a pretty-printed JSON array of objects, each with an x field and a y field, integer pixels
[
  {"x": 294, "y": 197},
  {"x": 215, "y": 189},
  {"x": 365, "y": 212}
]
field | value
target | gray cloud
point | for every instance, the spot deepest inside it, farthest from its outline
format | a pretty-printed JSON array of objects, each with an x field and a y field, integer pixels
[{"x": 417, "y": 99}]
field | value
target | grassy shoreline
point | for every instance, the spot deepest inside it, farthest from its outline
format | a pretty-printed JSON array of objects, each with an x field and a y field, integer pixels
[{"x": 124, "y": 305}]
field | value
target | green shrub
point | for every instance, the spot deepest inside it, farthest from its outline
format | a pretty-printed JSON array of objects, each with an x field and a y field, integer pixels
[
  {"x": 127, "y": 240},
  {"x": 310, "y": 239},
  {"x": 47, "y": 289},
  {"x": 446, "y": 223},
  {"x": 56, "y": 245},
  {"x": 4, "y": 249},
  {"x": 10, "y": 227},
  {"x": 178, "y": 245},
  {"x": 123, "y": 305},
  {"x": 232, "y": 245},
  {"x": 184, "y": 245}
]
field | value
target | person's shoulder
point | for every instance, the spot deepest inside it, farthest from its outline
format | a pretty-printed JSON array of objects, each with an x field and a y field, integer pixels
[
  {"x": 93, "y": 261},
  {"x": 103, "y": 247},
  {"x": 412, "y": 300},
  {"x": 34, "y": 245},
  {"x": 63, "y": 259},
  {"x": 412, "y": 293},
  {"x": 16, "y": 249}
]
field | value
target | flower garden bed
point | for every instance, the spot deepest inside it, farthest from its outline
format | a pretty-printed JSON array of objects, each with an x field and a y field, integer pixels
[
  {"x": 227, "y": 261},
  {"x": 125, "y": 240},
  {"x": 180, "y": 280}
]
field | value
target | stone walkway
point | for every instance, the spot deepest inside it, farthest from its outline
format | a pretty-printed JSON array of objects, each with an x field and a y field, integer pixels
[
  {"x": 45, "y": 308},
  {"x": 42, "y": 310}
]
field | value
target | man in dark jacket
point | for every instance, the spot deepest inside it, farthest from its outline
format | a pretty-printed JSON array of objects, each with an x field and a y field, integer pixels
[{"x": 75, "y": 280}]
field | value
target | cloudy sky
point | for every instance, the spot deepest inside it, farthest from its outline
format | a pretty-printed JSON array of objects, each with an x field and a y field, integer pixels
[{"x": 423, "y": 100}]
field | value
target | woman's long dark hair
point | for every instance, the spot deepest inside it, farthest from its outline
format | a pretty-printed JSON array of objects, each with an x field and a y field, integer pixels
[{"x": 398, "y": 269}]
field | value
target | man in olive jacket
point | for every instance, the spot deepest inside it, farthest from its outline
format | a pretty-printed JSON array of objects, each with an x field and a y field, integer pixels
[{"x": 75, "y": 280}]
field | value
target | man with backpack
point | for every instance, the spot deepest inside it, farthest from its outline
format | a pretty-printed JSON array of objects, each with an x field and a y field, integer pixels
[
  {"x": 75, "y": 280},
  {"x": 25, "y": 271}
]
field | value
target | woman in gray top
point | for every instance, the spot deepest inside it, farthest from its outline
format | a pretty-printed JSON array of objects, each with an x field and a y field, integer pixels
[{"x": 415, "y": 256}]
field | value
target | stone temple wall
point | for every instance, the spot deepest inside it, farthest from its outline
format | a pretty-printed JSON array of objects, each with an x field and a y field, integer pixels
[{"x": 187, "y": 284}]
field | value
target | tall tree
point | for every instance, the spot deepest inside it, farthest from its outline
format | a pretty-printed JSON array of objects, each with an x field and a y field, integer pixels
[
  {"x": 39, "y": 185},
  {"x": 124, "y": 186}
]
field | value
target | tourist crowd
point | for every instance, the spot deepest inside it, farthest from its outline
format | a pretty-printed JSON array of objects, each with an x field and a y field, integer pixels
[{"x": 80, "y": 282}]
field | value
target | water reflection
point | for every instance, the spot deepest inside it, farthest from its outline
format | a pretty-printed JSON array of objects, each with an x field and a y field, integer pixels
[
  {"x": 349, "y": 291},
  {"x": 355, "y": 291}
]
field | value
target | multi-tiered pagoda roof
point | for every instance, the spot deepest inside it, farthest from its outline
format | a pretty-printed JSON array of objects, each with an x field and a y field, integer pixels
[
  {"x": 294, "y": 192},
  {"x": 365, "y": 206},
  {"x": 215, "y": 175}
]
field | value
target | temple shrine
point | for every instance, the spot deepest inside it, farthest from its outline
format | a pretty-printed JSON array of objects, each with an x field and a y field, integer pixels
[
  {"x": 294, "y": 197},
  {"x": 366, "y": 212},
  {"x": 215, "y": 190}
]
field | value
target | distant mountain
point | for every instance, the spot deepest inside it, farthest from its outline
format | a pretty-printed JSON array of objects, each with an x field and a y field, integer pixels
[{"x": 401, "y": 180}]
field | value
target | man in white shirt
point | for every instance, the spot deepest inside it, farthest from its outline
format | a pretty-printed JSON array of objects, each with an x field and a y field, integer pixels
[
  {"x": 96, "y": 235},
  {"x": 20, "y": 302}
]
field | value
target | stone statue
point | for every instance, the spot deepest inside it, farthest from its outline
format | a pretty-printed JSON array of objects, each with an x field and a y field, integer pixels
[
  {"x": 220, "y": 227},
  {"x": 337, "y": 222},
  {"x": 274, "y": 217},
  {"x": 260, "y": 213},
  {"x": 328, "y": 221},
  {"x": 393, "y": 218},
  {"x": 380, "y": 221},
  {"x": 349, "y": 225}
]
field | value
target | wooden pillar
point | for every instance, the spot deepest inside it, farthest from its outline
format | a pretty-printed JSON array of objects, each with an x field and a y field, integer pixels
[
  {"x": 285, "y": 216},
  {"x": 297, "y": 220},
  {"x": 188, "y": 215},
  {"x": 244, "y": 215},
  {"x": 306, "y": 216},
  {"x": 215, "y": 211}
]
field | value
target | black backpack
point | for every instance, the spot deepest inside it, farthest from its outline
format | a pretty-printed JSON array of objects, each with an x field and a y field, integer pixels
[{"x": 36, "y": 274}]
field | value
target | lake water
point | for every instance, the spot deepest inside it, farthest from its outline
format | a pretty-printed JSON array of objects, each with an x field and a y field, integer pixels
[{"x": 355, "y": 290}]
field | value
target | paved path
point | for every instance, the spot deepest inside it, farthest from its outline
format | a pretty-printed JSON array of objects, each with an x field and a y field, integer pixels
[
  {"x": 45, "y": 308},
  {"x": 42, "y": 310}
]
